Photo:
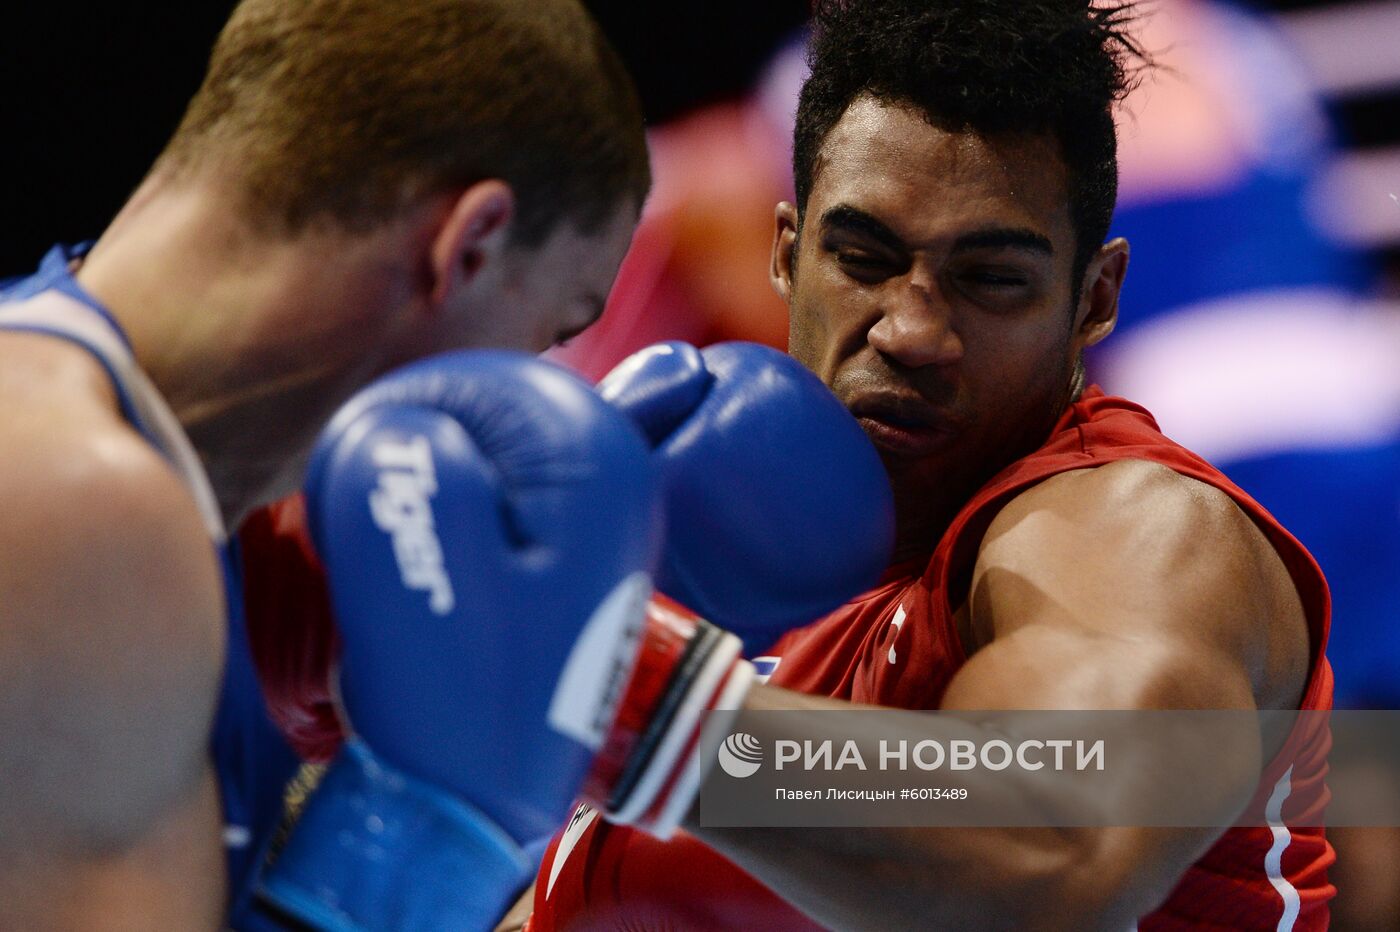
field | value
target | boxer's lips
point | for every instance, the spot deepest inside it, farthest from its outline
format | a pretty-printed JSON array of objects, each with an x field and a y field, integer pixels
[{"x": 905, "y": 427}]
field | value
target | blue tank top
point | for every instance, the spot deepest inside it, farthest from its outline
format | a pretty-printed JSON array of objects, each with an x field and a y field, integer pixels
[{"x": 253, "y": 761}]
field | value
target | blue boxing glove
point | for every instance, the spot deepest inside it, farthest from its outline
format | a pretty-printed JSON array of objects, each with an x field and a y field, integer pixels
[
  {"x": 778, "y": 509},
  {"x": 488, "y": 526}
]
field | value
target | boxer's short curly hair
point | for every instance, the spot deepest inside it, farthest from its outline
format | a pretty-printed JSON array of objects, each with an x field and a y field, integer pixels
[
  {"x": 350, "y": 111},
  {"x": 1052, "y": 67}
]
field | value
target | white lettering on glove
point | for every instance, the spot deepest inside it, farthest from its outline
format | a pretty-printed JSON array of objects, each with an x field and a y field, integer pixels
[{"x": 400, "y": 508}]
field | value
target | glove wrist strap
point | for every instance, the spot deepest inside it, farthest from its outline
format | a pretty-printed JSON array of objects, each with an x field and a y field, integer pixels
[{"x": 378, "y": 849}]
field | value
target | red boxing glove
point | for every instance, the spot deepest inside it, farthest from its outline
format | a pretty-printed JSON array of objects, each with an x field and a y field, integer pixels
[
  {"x": 290, "y": 631},
  {"x": 650, "y": 764}
]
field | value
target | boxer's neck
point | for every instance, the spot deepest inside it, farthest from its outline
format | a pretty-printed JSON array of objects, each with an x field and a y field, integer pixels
[{"x": 253, "y": 340}]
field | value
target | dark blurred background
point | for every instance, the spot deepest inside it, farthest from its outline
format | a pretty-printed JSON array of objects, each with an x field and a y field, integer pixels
[{"x": 89, "y": 96}]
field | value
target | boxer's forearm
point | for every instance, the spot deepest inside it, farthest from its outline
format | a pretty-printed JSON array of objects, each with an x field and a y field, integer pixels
[
  {"x": 918, "y": 878},
  {"x": 969, "y": 878},
  {"x": 900, "y": 877}
]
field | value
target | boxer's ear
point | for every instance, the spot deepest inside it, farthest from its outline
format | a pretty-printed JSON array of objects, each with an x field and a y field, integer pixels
[
  {"x": 780, "y": 270},
  {"x": 1098, "y": 302},
  {"x": 473, "y": 233}
]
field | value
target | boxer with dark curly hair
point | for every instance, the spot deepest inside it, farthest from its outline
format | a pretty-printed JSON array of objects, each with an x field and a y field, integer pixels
[{"x": 945, "y": 267}]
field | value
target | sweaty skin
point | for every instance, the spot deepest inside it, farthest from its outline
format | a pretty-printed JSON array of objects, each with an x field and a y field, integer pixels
[{"x": 931, "y": 286}]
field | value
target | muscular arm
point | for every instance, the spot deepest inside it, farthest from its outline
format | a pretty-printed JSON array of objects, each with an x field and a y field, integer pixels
[
  {"x": 1124, "y": 587},
  {"x": 111, "y": 618}
]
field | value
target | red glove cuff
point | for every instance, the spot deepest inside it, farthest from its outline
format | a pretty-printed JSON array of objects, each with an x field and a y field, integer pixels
[{"x": 649, "y": 766}]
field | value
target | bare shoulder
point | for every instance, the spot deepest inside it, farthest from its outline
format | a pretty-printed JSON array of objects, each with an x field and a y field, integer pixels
[
  {"x": 111, "y": 610},
  {"x": 1156, "y": 554},
  {"x": 80, "y": 490},
  {"x": 1132, "y": 523},
  {"x": 1136, "y": 492},
  {"x": 1130, "y": 510}
]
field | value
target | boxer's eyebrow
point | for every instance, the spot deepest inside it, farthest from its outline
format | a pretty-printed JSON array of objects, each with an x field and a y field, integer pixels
[
  {"x": 1005, "y": 238},
  {"x": 855, "y": 220},
  {"x": 846, "y": 217}
]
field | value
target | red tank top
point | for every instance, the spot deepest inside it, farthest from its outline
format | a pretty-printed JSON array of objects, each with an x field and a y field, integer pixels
[{"x": 898, "y": 646}]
